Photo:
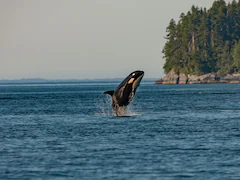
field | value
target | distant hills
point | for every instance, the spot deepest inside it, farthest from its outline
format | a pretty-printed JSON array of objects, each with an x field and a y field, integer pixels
[{"x": 41, "y": 80}]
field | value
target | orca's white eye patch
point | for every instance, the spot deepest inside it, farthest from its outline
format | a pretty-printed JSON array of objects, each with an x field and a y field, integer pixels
[
  {"x": 133, "y": 74},
  {"x": 131, "y": 81}
]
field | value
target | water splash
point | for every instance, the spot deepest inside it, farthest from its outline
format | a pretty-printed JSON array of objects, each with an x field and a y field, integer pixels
[
  {"x": 104, "y": 108},
  {"x": 103, "y": 105},
  {"x": 130, "y": 111}
]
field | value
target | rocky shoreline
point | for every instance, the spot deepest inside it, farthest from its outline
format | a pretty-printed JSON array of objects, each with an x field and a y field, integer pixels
[{"x": 210, "y": 78}]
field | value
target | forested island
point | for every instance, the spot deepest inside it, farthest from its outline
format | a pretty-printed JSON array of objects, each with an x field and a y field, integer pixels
[{"x": 203, "y": 46}]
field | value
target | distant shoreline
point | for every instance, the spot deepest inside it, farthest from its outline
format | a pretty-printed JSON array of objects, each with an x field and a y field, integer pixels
[{"x": 211, "y": 78}]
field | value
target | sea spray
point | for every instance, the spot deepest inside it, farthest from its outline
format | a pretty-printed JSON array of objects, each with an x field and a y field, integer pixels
[
  {"x": 131, "y": 110},
  {"x": 103, "y": 106}
]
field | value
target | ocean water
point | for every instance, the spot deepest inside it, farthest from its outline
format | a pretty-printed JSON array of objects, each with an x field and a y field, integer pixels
[{"x": 68, "y": 131}]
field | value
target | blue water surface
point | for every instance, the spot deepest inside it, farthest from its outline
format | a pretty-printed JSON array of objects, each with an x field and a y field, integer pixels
[{"x": 68, "y": 131}]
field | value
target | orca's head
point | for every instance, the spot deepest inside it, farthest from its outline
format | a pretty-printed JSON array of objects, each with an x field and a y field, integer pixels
[
  {"x": 127, "y": 89},
  {"x": 134, "y": 79}
]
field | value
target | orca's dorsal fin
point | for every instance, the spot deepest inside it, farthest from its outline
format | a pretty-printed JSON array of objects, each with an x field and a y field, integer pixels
[{"x": 109, "y": 92}]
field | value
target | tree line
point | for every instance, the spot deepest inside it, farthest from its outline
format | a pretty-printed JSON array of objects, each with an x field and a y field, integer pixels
[{"x": 205, "y": 41}]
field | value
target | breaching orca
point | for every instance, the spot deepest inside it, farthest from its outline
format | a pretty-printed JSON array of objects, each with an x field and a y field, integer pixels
[{"x": 125, "y": 92}]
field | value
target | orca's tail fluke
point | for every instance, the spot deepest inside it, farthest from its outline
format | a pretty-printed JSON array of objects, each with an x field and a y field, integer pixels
[{"x": 109, "y": 92}]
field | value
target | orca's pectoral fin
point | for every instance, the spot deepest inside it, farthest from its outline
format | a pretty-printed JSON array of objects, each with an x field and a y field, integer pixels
[{"x": 109, "y": 92}]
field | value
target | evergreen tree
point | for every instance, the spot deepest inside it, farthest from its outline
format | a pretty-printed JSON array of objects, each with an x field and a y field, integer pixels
[
  {"x": 170, "y": 46},
  {"x": 236, "y": 56}
]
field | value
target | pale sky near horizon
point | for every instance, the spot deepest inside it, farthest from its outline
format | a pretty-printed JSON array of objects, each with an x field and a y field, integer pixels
[{"x": 79, "y": 39}]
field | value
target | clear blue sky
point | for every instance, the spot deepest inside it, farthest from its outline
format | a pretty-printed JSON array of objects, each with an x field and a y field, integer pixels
[{"x": 64, "y": 39}]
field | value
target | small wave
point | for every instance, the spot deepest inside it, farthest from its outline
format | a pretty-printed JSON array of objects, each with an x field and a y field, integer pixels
[
  {"x": 6, "y": 98},
  {"x": 229, "y": 110},
  {"x": 222, "y": 93}
]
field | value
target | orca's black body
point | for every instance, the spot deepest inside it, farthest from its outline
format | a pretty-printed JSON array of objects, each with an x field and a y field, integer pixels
[{"x": 125, "y": 92}]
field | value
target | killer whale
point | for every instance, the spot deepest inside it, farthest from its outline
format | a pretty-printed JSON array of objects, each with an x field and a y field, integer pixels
[{"x": 125, "y": 92}]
